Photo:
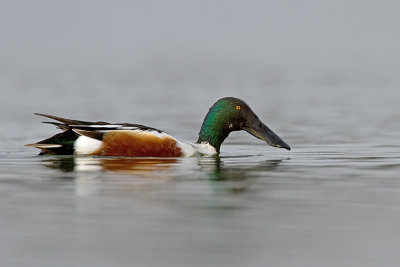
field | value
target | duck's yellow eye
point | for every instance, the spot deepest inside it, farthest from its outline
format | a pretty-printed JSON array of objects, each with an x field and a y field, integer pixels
[{"x": 237, "y": 107}]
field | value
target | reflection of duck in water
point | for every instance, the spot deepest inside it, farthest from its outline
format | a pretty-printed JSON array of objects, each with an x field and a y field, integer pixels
[
  {"x": 224, "y": 178},
  {"x": 133, "y": 140},
  {"x": 137, "y": 166},
  {"x": 214, "y": 167},
  {"x": 218, "y": 172}
]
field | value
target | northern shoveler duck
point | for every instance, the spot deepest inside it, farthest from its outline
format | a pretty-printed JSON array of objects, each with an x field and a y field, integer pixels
[{"x": 133, "y": 140}]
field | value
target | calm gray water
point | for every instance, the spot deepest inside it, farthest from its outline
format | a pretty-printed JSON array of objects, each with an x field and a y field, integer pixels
[{"x": 334, "y": 200}]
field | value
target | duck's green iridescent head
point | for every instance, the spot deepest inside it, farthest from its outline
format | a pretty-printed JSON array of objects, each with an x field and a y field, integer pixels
[{"x": 232, "y": 114}]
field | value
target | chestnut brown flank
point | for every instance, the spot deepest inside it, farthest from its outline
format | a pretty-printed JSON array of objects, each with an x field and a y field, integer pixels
[{"x": 136, "y": 144}]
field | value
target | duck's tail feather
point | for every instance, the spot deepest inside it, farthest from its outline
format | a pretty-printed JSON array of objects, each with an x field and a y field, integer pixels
[
  {"x": 61, "y": 126},
  {"x": 63, "y": 143},
  {"x": 68, "y": 122},
  {"x": 59, "y": 144}
]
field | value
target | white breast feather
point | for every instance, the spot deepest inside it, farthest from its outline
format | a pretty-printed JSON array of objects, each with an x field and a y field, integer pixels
[{"x": 189, "y": 149}]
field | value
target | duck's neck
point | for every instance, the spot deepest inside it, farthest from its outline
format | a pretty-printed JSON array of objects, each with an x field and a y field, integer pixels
[{"x": 213, "y": 131}]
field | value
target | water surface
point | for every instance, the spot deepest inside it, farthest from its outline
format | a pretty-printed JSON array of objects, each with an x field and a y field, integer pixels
[{"x": 333, "y": 200}]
